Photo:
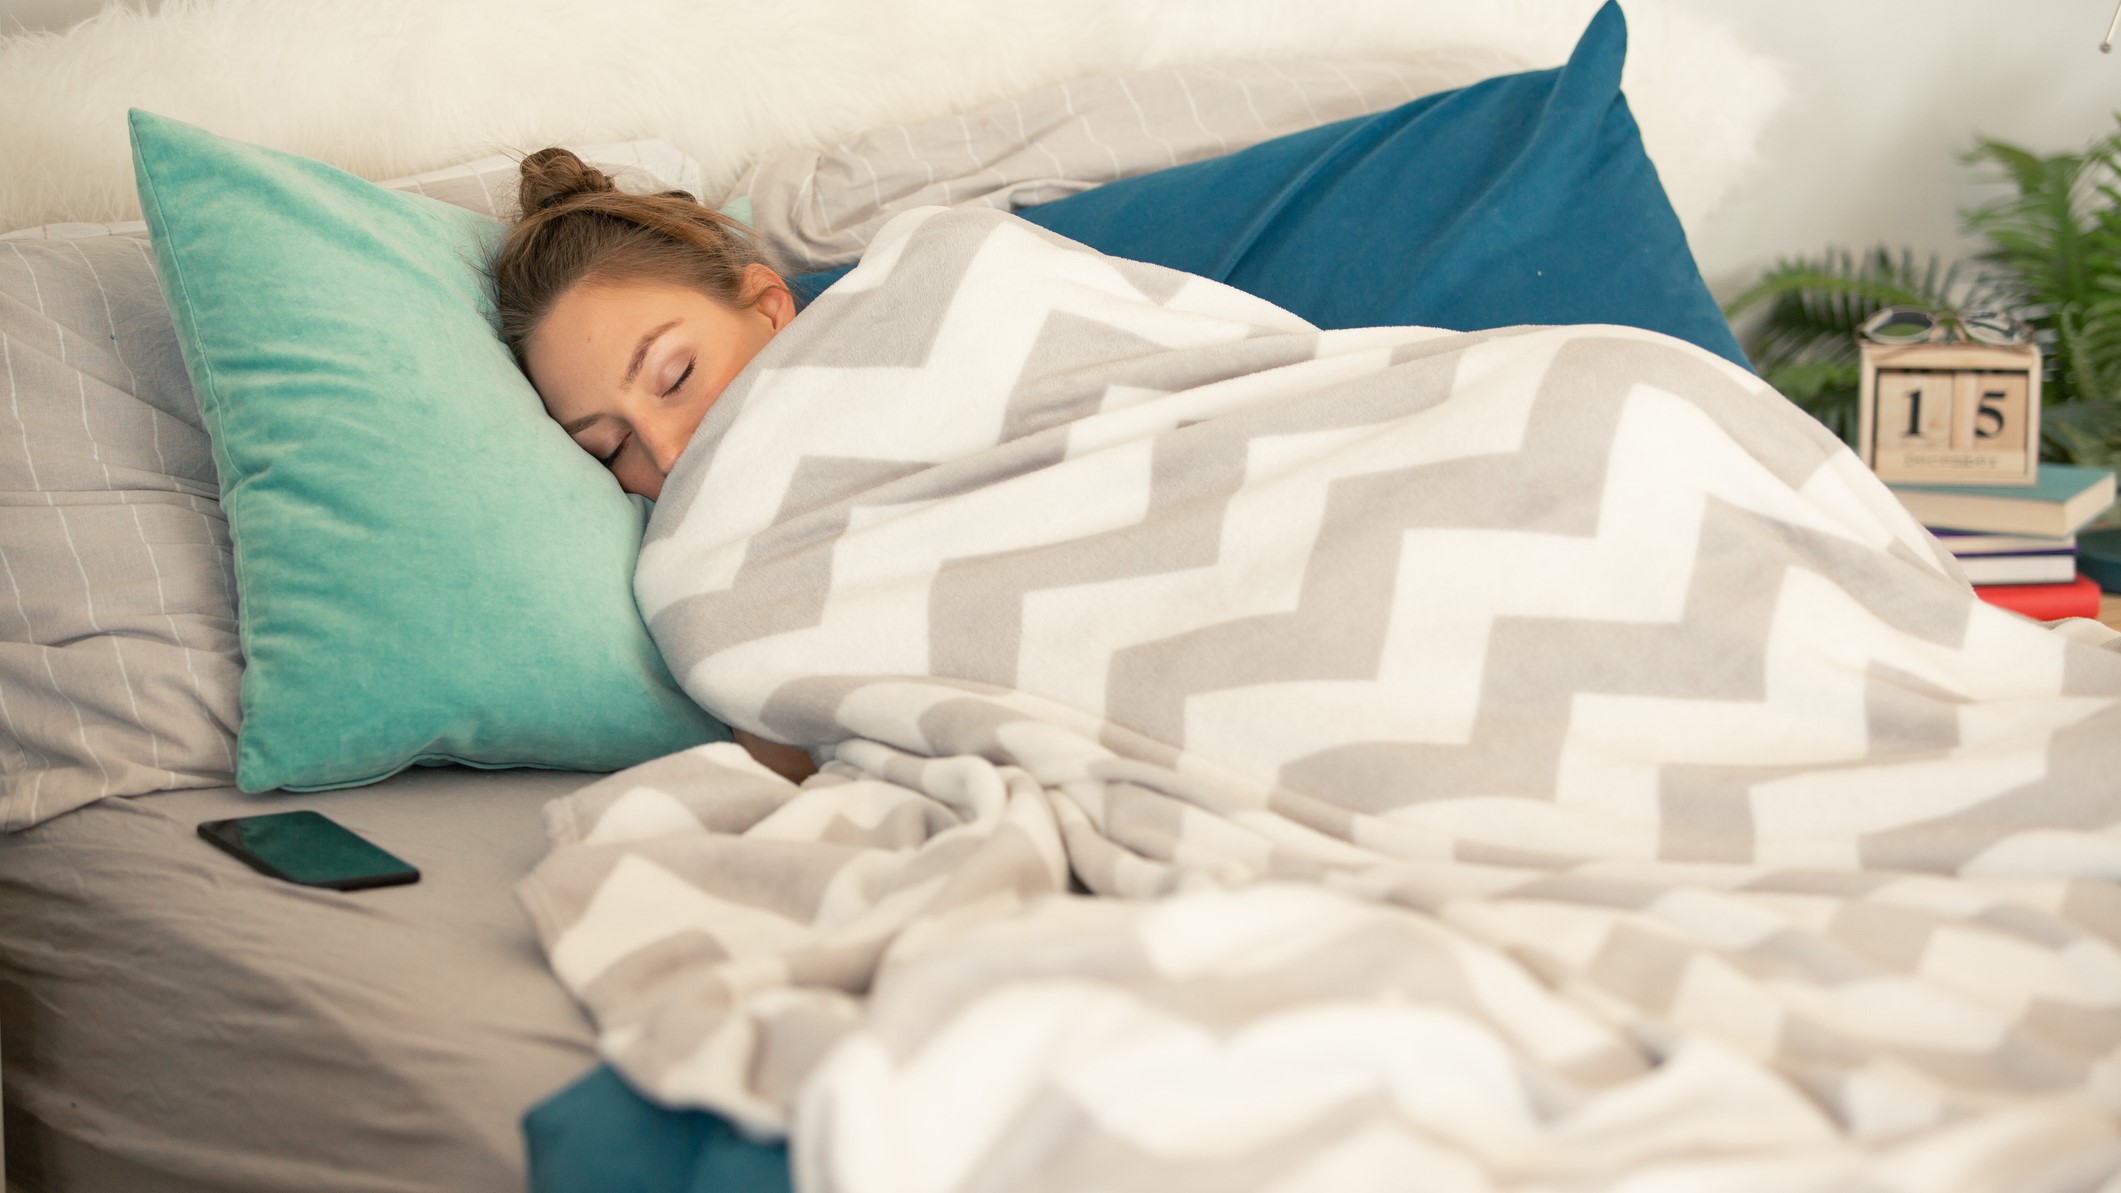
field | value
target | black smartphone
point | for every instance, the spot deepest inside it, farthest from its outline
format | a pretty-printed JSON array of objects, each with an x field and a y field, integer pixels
[{"x": 309, "y": 848}]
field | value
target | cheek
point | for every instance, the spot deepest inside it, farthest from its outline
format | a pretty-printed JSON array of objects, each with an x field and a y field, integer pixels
[
  {"x": 636, "y": 476},
  {"x": 681, "y": 418},
  {"x": 697, "y": 406}
]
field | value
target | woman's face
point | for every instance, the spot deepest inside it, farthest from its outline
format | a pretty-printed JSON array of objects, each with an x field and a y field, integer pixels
[{"x": 630, "y": 368}]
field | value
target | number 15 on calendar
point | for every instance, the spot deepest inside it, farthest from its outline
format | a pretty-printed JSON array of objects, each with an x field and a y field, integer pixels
[{"x": 1951, "y": 413}]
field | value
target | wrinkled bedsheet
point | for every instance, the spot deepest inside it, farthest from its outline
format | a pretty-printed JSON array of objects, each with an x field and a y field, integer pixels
[{"x": 1264, "y": 758}]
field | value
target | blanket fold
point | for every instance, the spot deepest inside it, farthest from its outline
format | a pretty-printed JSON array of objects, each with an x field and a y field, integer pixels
[{"x": 1257, "y": 757}]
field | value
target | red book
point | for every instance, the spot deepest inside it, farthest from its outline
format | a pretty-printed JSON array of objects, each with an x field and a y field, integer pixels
[{"x": 2045, "y": 602}]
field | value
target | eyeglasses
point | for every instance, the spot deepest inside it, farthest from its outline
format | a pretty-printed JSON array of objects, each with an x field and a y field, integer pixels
[{"x": 1920, "y": 325}]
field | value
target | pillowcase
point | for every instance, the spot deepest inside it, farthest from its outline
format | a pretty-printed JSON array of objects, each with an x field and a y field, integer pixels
[
  {"x": 118, "y": 657},
  {"x": 429, "y": 570},
  {"x": 1521, "y": 199},
  {"x": 816, "y": 208}
]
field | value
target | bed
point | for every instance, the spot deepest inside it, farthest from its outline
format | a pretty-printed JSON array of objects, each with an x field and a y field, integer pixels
[
  {"x": 265, "y": 1037},
  {"x": 174, "y": 1022},
  {"x": 393, "y": 1041}
]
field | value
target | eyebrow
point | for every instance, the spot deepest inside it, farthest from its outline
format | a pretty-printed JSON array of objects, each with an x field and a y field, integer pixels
[
  {"x": 640, "y": 352},
  {"x": 633, "y": 369}
]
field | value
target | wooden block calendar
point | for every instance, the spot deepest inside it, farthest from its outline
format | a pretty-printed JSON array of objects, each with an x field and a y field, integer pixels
[{"x": 1956, "y": 413}]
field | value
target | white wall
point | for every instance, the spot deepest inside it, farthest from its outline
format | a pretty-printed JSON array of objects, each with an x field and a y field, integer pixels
[{"x": 1889, "y": 93}]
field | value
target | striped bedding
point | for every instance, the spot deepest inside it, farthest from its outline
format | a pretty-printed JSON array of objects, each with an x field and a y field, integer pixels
[{"x": 1264, "y": 758}]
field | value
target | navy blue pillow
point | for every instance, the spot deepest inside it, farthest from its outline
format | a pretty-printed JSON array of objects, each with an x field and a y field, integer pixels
[{"x": 1520, "y": 199}]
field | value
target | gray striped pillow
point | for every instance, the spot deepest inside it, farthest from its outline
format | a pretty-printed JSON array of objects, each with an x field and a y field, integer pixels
[
  {"x": 118, "y": 657},
  {"x": 819, "y": 208},
  {"x": 119, "y": 661}
]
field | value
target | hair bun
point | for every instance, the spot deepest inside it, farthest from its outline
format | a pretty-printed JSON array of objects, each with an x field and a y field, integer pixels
[{"x": 553, "y": 174}]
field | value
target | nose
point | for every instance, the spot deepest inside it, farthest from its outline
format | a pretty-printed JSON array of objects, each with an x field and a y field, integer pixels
[{"x": 663, "y": 441}]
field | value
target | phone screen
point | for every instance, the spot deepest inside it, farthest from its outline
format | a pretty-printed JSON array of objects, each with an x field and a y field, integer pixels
[{"x": 308, "y": 848}]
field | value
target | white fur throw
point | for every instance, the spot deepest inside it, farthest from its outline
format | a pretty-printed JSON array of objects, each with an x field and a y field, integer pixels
[{"x": 392, "y": 87}]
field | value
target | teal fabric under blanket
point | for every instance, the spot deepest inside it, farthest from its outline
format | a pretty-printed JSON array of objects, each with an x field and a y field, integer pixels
[
  {"x": 598, "y": 1136},
  {"x": 429, "y": 570},
  {"x": 1521, "y": 199}
]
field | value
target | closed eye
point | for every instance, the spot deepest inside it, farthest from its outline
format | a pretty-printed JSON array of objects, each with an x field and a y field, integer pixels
[
  {"x": 675, "y": 385},
  {"x": 606, "y": 459}
]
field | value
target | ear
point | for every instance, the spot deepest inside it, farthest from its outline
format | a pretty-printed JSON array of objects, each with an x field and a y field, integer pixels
[{"x": 770, "y": 295}]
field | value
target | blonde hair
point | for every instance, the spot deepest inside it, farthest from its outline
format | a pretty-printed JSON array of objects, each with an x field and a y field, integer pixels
[{"x": 578, "y": 226}]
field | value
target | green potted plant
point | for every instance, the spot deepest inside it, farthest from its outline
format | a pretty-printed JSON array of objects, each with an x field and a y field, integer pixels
[{"x": 2052, "y": 254}]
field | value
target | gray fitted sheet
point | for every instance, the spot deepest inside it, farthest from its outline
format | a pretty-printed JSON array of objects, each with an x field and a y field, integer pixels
[{"x": 173, "y": 1021}]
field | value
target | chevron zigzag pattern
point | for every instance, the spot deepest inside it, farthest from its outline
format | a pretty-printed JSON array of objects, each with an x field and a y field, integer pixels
[{"x": 1528, "y": 755}]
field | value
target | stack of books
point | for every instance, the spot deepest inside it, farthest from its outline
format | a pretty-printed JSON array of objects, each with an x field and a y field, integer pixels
[{"x": 2018, "y": 543}]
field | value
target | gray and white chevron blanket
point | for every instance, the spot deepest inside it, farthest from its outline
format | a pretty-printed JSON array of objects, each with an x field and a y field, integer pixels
[{"x": 1264, "y": 758}]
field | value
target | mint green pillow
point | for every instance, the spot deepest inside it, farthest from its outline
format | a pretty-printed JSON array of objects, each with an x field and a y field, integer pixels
[{"x": 428, "y": 569}]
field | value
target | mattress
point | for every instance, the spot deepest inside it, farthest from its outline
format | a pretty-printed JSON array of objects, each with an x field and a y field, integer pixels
[{"x": 173, "y": 1021}]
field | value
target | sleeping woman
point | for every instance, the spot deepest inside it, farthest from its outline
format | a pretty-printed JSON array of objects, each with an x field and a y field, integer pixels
[
  {"x": 630, "y": 314},
  {"x": 1630, "y": 721},
  {"x": 1543, "y": 593}
]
